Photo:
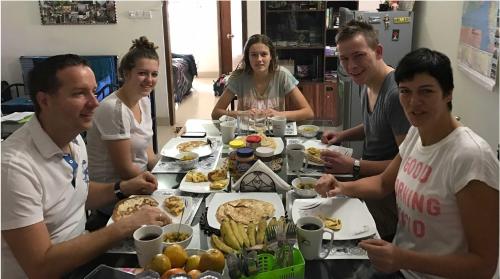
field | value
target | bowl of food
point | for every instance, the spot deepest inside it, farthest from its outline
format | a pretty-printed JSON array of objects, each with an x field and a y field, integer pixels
[
  {"x": 308, "y": 131},
  {"x": 187, "y": 160},
  {"x": 172, "y": 234},
  {"x": 304, "y": 187}
]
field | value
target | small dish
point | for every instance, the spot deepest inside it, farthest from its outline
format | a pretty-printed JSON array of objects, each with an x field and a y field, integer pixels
[
  {"x": 187, "y": 160},
  {"x": 174, "y": 228},
  {"x": 308, "y": 131},
  {"x": 305, "y": 193}
]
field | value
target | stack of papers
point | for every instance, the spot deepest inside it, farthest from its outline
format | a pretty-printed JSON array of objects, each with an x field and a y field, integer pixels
[{"x": 19, "y": 117}]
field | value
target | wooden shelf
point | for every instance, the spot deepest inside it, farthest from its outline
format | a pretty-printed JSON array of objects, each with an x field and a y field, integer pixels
[
  {"x": 292, "y": 11},
  {"x": 320, "y": 47}
]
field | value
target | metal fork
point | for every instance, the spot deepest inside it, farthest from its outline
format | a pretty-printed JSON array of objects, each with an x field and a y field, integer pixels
[
  {"x": 311, "y": 206},
  {"x": 271, "y": 233},
  {"x": 209, "y": 142}
]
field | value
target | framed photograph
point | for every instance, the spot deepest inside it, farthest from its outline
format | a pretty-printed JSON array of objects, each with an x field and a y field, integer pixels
[{"x": 77, "y": 12}]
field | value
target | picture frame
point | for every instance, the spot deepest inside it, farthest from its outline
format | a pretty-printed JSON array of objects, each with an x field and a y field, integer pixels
[{"x": 77, "y": 12}]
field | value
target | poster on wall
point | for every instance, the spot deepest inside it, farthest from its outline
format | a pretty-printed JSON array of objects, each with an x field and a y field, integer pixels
[
  {"x": 77, "y": 12},
  {"x": 478, "y": 43}
]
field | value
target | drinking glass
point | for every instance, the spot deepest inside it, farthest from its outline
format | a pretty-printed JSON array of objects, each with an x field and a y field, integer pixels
[{"x": 260, "y": 122}]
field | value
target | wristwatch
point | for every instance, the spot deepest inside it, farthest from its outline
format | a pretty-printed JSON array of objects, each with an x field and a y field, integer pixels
[
  {"x": 118, "y": 192},
  {"x": 356, "y": 168}
]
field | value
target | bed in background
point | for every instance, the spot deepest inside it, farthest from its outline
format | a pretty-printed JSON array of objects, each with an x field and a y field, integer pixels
[{"x": 184, "y": 68}]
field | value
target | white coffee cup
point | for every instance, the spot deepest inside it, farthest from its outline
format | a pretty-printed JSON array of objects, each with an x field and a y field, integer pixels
[
  {"x": 279, "y": 125},
  {"x": 310, "y": 231},
  {"x": 227, "y": 129},
  {"x": 295, "y": 156},
  {"x": 148, "y": 241}
]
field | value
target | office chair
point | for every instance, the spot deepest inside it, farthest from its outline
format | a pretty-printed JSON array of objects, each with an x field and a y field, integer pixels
[{"x": 7, "y": 90}]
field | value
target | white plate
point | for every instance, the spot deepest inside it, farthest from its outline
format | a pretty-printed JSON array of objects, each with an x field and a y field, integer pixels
[
  {"x": 170, "y": 149},
  {"x": 160, "y": 198},
  {"x": 357, "y": 222},
  {"x": 318, "y": 144},
  {"x": 200, "y": 187},
  {"x": 220, "y": 198},
  {"x": 280, "y": 146}
]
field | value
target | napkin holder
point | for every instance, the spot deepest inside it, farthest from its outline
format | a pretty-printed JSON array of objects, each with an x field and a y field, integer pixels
[{"x": 260, "y": 178}]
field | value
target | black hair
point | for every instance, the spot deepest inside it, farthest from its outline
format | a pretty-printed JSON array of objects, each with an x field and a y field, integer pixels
[
  {"x": 43, "y": 76},
  {"x": 355, "y": 27},
  {"x": 244, "y": 65},
  {"x": 141, "y": 48},
  {"x": 424, "y": 60}
]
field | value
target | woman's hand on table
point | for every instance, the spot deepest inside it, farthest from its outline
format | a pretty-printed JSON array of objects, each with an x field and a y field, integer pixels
[
  {"x": 327, "y": 186},
  {"x": 335, "y": 162},
  {"x": 384, "y": 256},
  {"x": 143, "y": 184},
  {"x": 272, "y": 113}
]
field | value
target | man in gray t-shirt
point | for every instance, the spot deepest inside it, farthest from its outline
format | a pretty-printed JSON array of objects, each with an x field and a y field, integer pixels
[{"x": 384, "y": 123}]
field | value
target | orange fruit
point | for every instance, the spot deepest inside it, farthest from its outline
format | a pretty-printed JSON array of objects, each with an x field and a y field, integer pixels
[
  {"x": 176, "y": 254},
  {"x": 192, "y": 263},
  {"x": 195, "y": 273},
  {"x": 212, "y": 259},
  {"x": 171, "y": 272},
  {"x": 160, "y": 263}
]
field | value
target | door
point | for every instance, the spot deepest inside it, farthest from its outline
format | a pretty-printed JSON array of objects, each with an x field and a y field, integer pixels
[
  {"x": 231, "y": 17},
  {"x": 225, "y": 37}
]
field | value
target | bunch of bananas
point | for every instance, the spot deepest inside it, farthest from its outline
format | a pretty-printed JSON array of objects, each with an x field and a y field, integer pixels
[{"x": 235, "y": 236}]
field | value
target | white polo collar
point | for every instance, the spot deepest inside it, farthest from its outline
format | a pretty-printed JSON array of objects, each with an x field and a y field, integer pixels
[{"x": 45, "y": 145}]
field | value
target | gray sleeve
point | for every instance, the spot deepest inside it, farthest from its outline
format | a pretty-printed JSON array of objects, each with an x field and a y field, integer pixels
[
  {"x": 235, "y": 84},
  {"x": 288, "y": 81},
  {"x": 396, "y": 116}
]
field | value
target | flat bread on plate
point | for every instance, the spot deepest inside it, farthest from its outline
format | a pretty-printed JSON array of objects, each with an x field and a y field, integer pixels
[{"x": 245, "y": 211}]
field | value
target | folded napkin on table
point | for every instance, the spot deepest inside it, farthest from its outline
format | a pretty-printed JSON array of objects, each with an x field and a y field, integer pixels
[{"x": 260, "y": 178}]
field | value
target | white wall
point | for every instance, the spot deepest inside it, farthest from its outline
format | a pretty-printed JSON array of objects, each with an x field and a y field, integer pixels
[
  {"x": 477, "y": 107},
  {"x": 193, "y": 30},
  {"x": 23, "y": 34},
  {"x": 253, "y": 17}
]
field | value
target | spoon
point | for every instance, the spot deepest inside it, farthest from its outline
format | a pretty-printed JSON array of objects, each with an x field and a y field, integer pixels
[{"x": 180, "y": 222}]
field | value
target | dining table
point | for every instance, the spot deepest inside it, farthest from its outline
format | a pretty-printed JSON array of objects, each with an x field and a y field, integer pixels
[{"x": 343, "y": 264}]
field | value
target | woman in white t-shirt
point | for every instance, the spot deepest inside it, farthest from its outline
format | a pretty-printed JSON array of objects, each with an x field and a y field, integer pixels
[
  {"x": 120, "y": 140},
  {"x": 446, "y": 182},
  {"x": 261, "y": 85}
]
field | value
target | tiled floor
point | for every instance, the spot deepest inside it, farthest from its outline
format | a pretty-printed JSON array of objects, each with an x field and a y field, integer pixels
[{"x": 198, "y": 104}]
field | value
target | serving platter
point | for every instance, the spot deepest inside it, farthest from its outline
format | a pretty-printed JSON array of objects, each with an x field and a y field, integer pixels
[
  {"x": 199, "y": 187},
  {"x": 221, "y": 198},
  {"x": 357, "y": 222},
  {"x": 318, "y": 144},
  {"x": 170, "y": 149},
  {"x": 160, "y": 198},
  {"x": 280, "y": 146}
]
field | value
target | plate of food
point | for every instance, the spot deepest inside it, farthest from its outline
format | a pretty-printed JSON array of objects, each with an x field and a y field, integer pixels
[
  {"x": 244, "y": 208},
  {"x": 314, "y": 148},
  {"x": 275, "y": 143},
  {"x": 170, "y": 204},
  {"x": 348, "y": 218},
  {"x": 175, "y": 146},
  {"x": 204, "y": 181}
]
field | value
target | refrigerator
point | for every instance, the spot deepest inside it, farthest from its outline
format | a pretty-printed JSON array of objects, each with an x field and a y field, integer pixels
[{"x": 394, "y": 30}]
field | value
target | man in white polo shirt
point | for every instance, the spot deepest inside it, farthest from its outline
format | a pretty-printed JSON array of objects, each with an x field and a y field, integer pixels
[{"x": 45, "y": 182}]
